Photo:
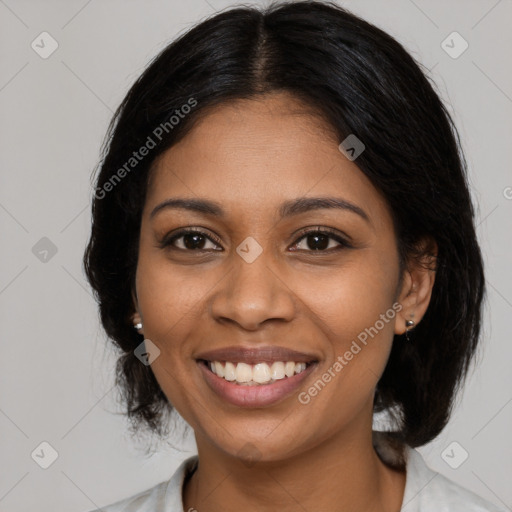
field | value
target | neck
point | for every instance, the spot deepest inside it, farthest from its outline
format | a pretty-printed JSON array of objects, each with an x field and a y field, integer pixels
[{"x": 342, "y": 473}]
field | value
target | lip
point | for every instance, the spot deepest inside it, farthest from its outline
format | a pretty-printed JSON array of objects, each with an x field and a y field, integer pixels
[
  {"x": 262, "y": 395},
  {"x": 250, "y": 355}
]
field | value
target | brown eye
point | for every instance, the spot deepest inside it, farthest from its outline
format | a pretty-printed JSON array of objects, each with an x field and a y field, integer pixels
[
  {"x": 191, "y": 240},
  {"x": 321, "y": 240}
]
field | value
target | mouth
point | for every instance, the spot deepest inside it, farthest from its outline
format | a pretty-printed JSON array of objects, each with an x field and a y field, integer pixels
[
  {"x": 255, "y": 378},
  {"x": 259, "y": 374}
]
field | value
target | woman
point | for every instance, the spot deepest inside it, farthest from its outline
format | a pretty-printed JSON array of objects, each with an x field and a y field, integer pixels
[{"x": 282, "y": 246}]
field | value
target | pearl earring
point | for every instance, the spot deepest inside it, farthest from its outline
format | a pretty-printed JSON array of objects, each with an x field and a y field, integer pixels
[
  {"x": 138, "y": 325},
  {"x": 408, "y": 324}
]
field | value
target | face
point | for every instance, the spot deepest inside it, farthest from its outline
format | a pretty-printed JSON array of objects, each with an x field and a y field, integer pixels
[{"x": 302, "y": 293}]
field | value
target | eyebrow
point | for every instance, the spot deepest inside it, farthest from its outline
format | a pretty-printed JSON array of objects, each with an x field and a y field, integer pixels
[{"x": 287, "y": 209}]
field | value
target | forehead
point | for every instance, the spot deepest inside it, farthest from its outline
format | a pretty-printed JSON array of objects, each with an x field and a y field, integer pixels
[{"x": 257, "y": 153}]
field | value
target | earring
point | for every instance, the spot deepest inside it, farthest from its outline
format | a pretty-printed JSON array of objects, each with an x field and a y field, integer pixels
[
  {"x": 138, "y": 325},
  {"x": 408, "y": 323}
]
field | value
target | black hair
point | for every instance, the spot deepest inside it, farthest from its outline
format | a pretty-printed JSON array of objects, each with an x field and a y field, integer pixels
[{"x": 361, "y": 81}]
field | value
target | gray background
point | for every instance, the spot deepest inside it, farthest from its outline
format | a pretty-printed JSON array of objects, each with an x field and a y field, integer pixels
[{"x": 56, "y": 367}]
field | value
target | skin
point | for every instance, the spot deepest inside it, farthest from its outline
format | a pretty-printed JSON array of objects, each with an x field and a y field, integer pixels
[{"x": 251, "y": 156}]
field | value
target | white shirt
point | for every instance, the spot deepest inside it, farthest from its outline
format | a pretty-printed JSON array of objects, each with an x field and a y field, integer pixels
[{"x": 425, "y": 489}]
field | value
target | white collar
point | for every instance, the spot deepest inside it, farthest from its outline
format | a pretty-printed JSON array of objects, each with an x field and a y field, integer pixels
[{"x": 425, "y": 489}]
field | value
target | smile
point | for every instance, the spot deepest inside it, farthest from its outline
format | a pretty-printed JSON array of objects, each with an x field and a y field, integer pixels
[
  {"x": 255, "y": 375},
  {"x": 255, "y": 378}
]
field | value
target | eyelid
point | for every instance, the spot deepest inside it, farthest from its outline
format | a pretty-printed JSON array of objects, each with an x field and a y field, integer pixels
[
  {"x": 343, "y": 239},
  {"x": 322, "y": 229},
  {"x": 174, "y": 235}
]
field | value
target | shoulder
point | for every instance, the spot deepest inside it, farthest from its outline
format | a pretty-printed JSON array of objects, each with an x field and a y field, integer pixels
[
  {"x": 144, "y": 501},
  {"x": 429, "y": 491},
  {"x": 163, "y": 496},
  {"x": 425, "y": 489}
]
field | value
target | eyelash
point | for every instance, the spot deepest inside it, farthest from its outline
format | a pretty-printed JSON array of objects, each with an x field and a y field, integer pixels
[{"x": 167, "y": 242}]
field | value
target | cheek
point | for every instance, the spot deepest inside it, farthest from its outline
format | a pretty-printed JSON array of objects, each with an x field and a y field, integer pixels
[
  {"x": 355, "y": 307},
  {"x": 168, "y": 297},
  {"x": 167, "y": 303},
  {"x": 172, "y": 305},
  {"x": 351, "y": 298}
]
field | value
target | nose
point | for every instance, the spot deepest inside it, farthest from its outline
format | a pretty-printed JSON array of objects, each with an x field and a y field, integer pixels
[{"x": 253, "y": 293}]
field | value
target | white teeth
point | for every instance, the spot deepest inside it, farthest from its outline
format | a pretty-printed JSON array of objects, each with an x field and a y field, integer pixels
[
  {"x": 277, "y": 370},
  {"x": 300, "y": 367},
  {"x": 219, "y": 369},
  {"x": 243, "y": 372},
  {"x": 289, "y": 369},
  {"x": 229, "y": 371},
  {"x": 260, "y": 373}
]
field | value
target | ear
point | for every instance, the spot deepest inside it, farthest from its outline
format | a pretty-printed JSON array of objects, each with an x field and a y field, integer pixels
[
  {"x": 136, "y": 317},
  {"x": 417, "y": 284}
]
